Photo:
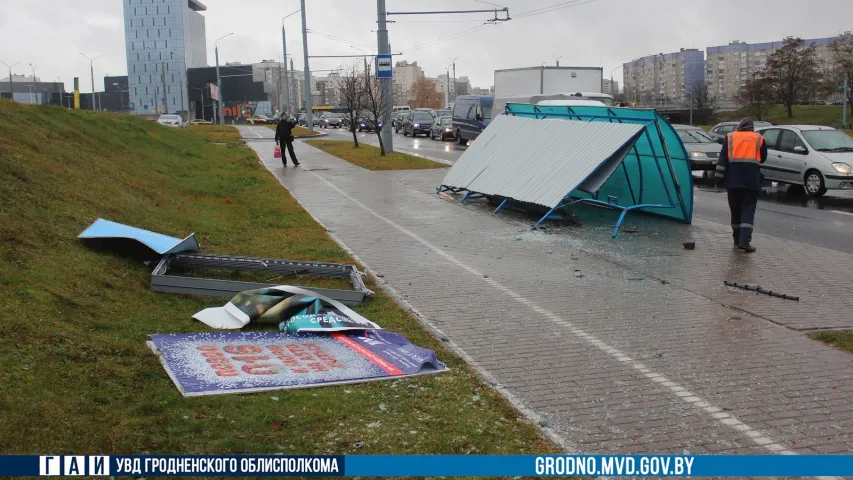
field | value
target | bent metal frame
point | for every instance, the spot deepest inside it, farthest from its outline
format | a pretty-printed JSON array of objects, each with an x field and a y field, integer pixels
[{"x": 161, "y": 281}]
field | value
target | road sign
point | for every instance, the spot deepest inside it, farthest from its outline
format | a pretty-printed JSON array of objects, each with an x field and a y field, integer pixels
[
  {"x": 145, "y": 107},
  {"x": 131, "y": 105},
  {"x": 383, "y": 66}
]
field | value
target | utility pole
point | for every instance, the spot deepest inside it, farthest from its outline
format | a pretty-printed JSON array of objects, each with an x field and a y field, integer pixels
[
  {"x": 35, "y": 89},
  {"x": 309, "y": 111},
  {"x": 293, "y": 86},
  {"x": 386, "y": 84},
  {"x": 11, "y": 88},
  {"x": 165, "y": 90},
  {"x": 219, "y": 79},
  {"x": 284, "y": 108},
  {"x": 454, "y": 78},
  {"x": 843, "y": 101},
  {"x": 558, "y": 59},
  {"x": 92, "y": 75},
  {"x": 181, "y": 82},
  {"x": 447, "y": 86}
]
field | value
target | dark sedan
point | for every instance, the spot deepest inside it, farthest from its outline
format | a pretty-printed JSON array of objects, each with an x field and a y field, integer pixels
[
  {"x": 442, "y": 128},
  {"x": 418, "y": 122}
]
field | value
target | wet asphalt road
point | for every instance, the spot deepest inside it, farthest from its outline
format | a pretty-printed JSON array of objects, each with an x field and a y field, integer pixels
[{"x": 822, "y": 222}]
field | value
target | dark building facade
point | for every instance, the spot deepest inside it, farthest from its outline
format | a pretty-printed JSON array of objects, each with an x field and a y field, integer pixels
[{"x": 240, "y": 92}]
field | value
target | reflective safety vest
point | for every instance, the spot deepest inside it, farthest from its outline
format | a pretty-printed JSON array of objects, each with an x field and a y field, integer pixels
[{"x": 745, "y": 147}]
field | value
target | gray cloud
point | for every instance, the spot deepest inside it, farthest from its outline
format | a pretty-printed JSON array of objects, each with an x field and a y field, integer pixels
[{"x": 605, "y": 33}]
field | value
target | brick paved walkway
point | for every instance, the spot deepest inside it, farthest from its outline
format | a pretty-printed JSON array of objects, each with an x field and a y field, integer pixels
[{"x": 624, "y": 346}]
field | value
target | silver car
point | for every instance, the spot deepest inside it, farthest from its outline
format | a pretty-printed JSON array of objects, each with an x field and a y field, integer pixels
[
  {"x": 701, "y": 148},
  {"x": 818, "y": 158}
]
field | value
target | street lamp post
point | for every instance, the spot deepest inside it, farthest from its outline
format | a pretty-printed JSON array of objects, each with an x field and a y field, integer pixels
[
  {"x": 284, "y": 61},
  {"x": 11, "y": 89},
  {"x": 35, "y": 89},
  {"x": 182, "y": 83},
  {"x": 309, "y": 110},
  {"x": 92, "y": 74},
  {"x": 557, "y": 59},
  {"x": 218, "y": 78},
  {"x": 386, "y": 84},
  {"x": 453, "y": 60},
  {"x": 611, "y": 81}
]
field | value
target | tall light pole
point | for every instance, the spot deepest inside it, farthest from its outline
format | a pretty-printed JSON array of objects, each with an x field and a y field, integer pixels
[
  {"x": 92, "y": 75},
  {"x": 11, "y": 90},
  {"x": 309, "y": 112},
  {"x": 557, "y": 59},
  {"x": 35, "y": 89},
  {"x": 218, "y": 78},
  {"x": 453, "y": 61},
  {"x": 386, "y": 84},
  {"x": 284, "y": 60},
  {"x": 365, "y": 57},
  {"x": 611, "y": 81}
]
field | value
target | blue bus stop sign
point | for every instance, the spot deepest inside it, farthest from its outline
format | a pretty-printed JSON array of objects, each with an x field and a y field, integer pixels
[
  {"x": 383, "y": 66},
  {"x": 130, "y": 105},
  {"x": 145, "y": 107}
]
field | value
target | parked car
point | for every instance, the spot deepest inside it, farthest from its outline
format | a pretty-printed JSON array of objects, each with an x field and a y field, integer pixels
[
  {"x": 818, "y": 158},
  {"x": 442, "y": 128},
  {"x": 443, "y": 113},
  {"x": 471, "y": 114},
  {"x": 330, "y": 120},
  {"x": 199, "y": 121},
  {"x": 399, "y": 119},
  {"x": 720, "y": 130},
  {"x": 702, "y": 150},
  {"x": 259, "y": 120},
  {"x": 174, "y": 121},
  {"x": 417, "y": 122},
  {"x": 302, "y": 119}
]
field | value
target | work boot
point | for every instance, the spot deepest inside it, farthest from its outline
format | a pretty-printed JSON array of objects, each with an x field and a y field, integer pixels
[
  {"x": 295, "y": 163},
  {"x": 746, "y": 248}
]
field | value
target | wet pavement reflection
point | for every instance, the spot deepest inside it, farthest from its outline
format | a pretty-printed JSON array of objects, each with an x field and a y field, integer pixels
[{"x": 795, "y": 196}]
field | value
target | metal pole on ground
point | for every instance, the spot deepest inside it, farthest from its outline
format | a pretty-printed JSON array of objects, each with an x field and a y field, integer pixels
[
  {"x": 35, "y": 88},
  {"x": 309, "y": 113},
  {"x": 91, "y": 73},
  {"x": 843, "y": 101},
  {"x": 384, "y": 48}
]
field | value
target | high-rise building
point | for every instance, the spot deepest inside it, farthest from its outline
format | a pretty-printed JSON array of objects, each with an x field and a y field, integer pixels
[
  {"x": 610, "y": 87},
  {"x": 663, "y": 79},
  {"x": 405, "y": 75},
  {"x": 729, "y": 67},
  {"x": 162, "y": 40}
]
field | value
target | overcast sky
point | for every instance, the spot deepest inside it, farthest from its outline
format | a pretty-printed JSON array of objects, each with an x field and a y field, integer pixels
[{"x": 50, "y": 33}]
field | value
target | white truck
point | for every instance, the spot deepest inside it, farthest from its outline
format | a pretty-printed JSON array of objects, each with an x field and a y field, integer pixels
[{"x": 514, "y": 85}]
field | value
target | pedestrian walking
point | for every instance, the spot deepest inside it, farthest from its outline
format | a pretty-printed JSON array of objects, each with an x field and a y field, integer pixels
[
  {"x": 284, "y": 134},
  {"x": 738, "y": 168}
]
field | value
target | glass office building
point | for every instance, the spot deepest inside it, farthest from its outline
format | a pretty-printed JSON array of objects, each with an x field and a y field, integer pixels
[{"x": 162, "y": 38}]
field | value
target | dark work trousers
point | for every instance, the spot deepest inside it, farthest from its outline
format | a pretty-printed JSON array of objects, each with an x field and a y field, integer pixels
[
  {"x": 742, "y": 203},
  {"x": 289, "y": 144}
]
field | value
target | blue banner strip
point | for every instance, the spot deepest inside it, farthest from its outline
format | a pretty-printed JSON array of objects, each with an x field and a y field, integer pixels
[{"x": 429, "y": 465}]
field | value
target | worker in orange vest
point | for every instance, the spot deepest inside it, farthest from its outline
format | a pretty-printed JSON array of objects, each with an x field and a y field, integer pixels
[{"x": 738, "y": 168}]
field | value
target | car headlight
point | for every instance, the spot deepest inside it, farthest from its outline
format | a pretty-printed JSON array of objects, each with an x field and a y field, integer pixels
[
  {"x": 448, "y": 129},
  {"x": 698, "y": 155},
  {"x": 416, "y": 125},
  {"x": 842, "y": 168}
]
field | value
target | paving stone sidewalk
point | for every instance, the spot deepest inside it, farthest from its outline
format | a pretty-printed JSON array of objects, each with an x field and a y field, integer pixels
[{"x": 619, "y": 346}]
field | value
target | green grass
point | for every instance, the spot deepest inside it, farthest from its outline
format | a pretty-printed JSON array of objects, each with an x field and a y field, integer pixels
[
  {"x": 217, "y": 133},
  {"x": 840, "y": 339},
  {"x": 77, "y": 375},
  {"x": 829, "y": 115},
  {"x": 367, "y": 156}
]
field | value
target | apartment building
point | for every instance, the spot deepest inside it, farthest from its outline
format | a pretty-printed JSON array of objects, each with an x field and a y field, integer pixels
[
  {"x": 663, "y": 79},
  {"x": 729, "y": 67}
]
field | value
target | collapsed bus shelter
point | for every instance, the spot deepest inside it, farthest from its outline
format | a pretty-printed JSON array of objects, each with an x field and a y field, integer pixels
[{"x": 559, "y": 156}]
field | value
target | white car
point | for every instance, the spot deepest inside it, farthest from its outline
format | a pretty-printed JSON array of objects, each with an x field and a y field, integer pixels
[
  {"x": 818, "y": 158},
  {"x": 174, "y": 121}
]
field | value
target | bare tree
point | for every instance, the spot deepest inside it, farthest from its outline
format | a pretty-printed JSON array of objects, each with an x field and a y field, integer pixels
[
  {"x": 352, "y": 96},
  {"x": 841, "y": 65},
  {"x": 757, "y": 96},
  {"x": 699, "y": 96},
  {"x": 792, "y": 72},
  {"x": 373, "y": 111},
  {"x": 423, "y": 94}
]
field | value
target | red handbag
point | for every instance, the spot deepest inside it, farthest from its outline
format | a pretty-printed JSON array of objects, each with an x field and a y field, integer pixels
[{"x": 277, "y": 152}]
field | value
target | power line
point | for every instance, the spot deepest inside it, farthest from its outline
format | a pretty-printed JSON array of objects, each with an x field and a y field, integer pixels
[
  {"x": 558, "y": 6},
  {"x": 339, "y": 39},
  {"x": 449, "y": 37}
]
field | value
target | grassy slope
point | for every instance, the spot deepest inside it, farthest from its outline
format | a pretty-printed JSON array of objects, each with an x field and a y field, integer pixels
[
  {"x": 77, "y": 375},
  {"x": 298, "y": 131},
  {"x": 367, "y": 156}
]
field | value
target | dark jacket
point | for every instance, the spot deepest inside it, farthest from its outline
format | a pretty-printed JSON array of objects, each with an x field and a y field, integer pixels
[
  {"x": 739, "y": 175},
  {"x": 284, "y": 130}
]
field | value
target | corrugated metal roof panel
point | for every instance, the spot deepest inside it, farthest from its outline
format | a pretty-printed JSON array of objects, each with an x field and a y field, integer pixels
[{"x": 539, "y": 161}]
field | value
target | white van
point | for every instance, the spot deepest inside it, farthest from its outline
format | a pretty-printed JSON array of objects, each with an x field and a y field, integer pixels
[{"x": 400, "y": 108}]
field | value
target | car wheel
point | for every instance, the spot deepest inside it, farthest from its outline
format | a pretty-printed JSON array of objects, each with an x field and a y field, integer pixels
[
  {"x": 459, "y": 139},
  {"x": 814, "y": 183},
  {"x": 405, "y": 133}
]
